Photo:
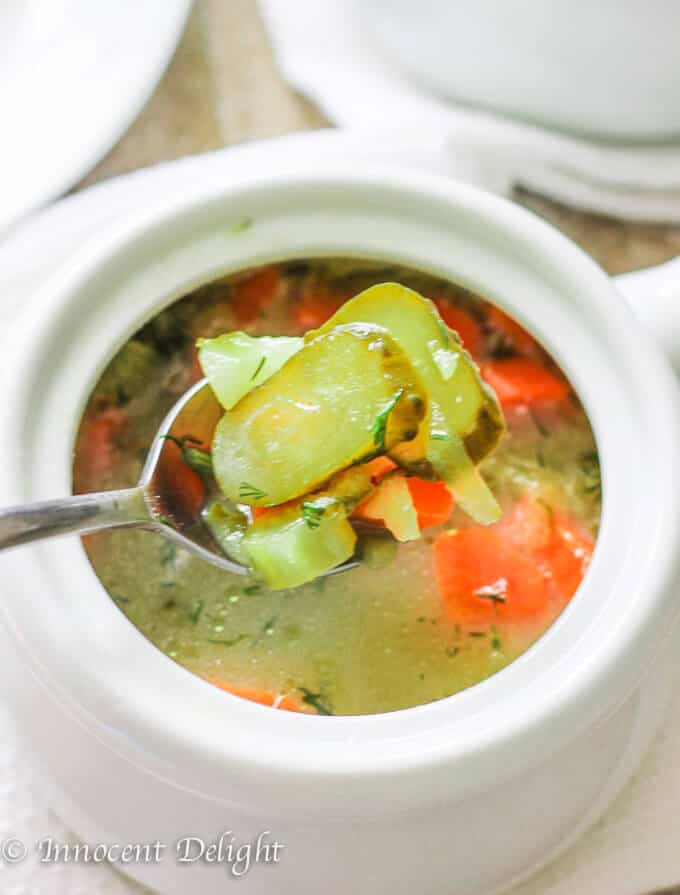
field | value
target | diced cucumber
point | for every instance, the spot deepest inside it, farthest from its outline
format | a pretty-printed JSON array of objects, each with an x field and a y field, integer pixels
[
  {"x": 464, "y": 423},
  {"x": 348, "y": 395},
  {"x": 236, "y": 363},
  {"x": 392, "y": 503},
  {"x": 287, "y": 549}
]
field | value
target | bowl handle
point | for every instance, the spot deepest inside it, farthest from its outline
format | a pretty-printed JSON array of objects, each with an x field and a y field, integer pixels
[{"x": 654, "y": 295}]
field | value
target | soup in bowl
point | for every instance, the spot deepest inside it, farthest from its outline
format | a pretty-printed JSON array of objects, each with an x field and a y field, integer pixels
[{"x": 426, "y": 613}]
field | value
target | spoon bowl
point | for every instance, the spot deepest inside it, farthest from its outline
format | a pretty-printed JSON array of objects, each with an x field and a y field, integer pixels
[{"x": 161, "y": 502}]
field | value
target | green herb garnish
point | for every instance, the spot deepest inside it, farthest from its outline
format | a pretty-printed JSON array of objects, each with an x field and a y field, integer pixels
[
  {"x": 251, "y": 589},
  {"x": 168, "y": 553},
  {"x": 313, "y": 510},
  {"x": 242, "y": 225},
  {"x": 196, "y": 458},
  {"x": 549, "y": 510},
  {"x": 258, "y": 368},
  {"x": 379, "y": 429},
  {"x": 439, "y": 436},
  {"x": 477, "y": 634},
  {"x": 251, "y": 491},
  {"x": 590, "y": 465},
  {"x": 315, "y": 700},
  {"x": 312, "y": 514},
  {"x": 269, "y": 625},
  {"x": 496, "y": 644},
  {"x": 166, "y": 520},
  {"x": 536, "y": 420},
  {"x": 122, "y": 397},
  {"x": 452, "y": 651},
  {"x": 196, "y": 611},
  {"x": 229, "y": 642}
]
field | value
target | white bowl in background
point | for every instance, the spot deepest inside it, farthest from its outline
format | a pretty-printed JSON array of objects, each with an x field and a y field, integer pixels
[
  {"x": 607, "y": 69},
  {"x": 139, "y": 749}
]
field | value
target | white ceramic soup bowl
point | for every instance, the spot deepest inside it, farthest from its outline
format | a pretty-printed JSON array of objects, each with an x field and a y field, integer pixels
[
  {"x": 466, "y": 794},
  {"x": 607, "y": 69}
]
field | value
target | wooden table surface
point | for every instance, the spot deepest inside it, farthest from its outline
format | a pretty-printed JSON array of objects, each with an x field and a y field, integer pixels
[{"x": 223, "y": 87}]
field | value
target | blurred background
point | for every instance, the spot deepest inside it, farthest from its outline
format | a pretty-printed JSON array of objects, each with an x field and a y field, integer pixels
[{"x": 225, "y": 85}]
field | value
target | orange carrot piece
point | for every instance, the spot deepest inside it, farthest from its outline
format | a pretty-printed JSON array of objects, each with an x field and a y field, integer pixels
[
  {"x": 379, "y": 467},
  {"x": 313, "y": 311},
  {"x": 463, "y": 323},
  {"x": 570, "y": 554},
  {"x": 252, "y": 295},
  {"x": 483, "y": 576},
  {"x": 529, "y": 525},
  {"x": 432, "y": 500},
  {"x": 364, "y": 510},
  {"x": 263, "y": 697},
  {"x": 181, "y": 480},
  {"x": 97, "y": 443},
  {"x": 513, "y": 333},
  {"x": 558, "y": 543},
  {"x": 520, "y": 380}
]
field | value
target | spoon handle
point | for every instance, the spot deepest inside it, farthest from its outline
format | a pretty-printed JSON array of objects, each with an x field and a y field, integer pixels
[{"x": 79, "y": 514}]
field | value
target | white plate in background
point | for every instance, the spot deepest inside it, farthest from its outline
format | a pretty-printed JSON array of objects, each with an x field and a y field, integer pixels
[{"x": 74, "y": 74}]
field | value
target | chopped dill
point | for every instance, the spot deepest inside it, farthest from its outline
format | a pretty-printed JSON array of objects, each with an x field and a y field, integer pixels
[
  {"x": 380, "y": 425},
  {"x": 242, "y": 226},
  {"x": 196, "y": 458},
  {"x": 315, "y": 700},
  {"x": 590, "y": 466},
  {"x": 252, "y": 491},
  {"x": 258, "y": 368},
  {"x": 122, "y": 397},
  {"x": 313, "y": 510},
  {"x": 536, "y": 420},
  {"x": 269, "y": 625},
  {"x": 232, "y": 641},
  {"x": 168, "y": 553},
  {"x": 196, "y": 611},
  {"x": 312, "y": 515}
]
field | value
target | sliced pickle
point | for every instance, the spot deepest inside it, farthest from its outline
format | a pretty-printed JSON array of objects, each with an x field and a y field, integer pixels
[
  {"x": 464, "y": 421},
  {"x": 350, "y": 394}
]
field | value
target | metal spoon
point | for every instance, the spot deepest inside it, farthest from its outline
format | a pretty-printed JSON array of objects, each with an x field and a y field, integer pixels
[{"x": 159, "y": 503}]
